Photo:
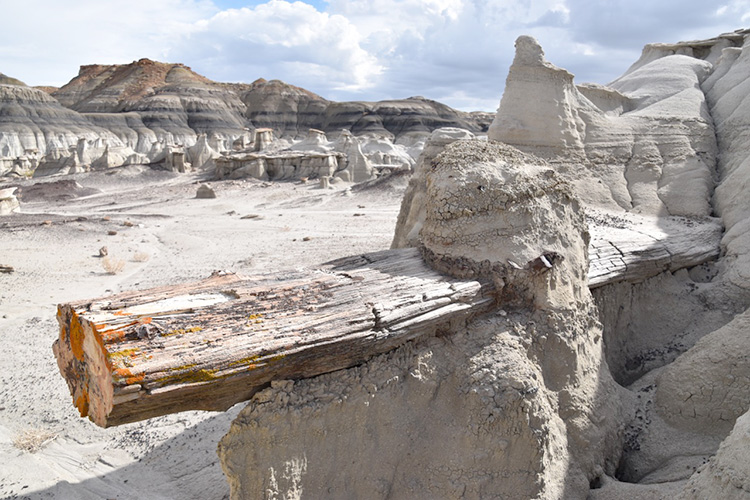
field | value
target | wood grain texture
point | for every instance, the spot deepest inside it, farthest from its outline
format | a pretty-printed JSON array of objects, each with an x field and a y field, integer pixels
[
  {"x": 211, "y": 344},
  {"x": 636, "y": 248}
]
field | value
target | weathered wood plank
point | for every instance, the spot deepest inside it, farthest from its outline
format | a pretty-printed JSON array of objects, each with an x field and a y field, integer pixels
[
  {"x": 211, "y": 344},
  {"x": 628, "y": 247}
]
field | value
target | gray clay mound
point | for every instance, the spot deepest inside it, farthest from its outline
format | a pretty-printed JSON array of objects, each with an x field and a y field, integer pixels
[{"x": 66, "y": 189}]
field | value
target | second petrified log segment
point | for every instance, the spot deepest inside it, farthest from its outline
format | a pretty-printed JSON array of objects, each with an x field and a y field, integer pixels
[{"x": 211, "y": 344}]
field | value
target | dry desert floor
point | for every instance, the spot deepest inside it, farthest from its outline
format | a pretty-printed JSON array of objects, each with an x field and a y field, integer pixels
[{"x": 156, "y": 232}]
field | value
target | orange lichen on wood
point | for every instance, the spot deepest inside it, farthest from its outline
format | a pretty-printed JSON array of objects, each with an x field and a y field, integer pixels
[
  {"x": 82, "y": 403},
  {"x": 122, "y": 373},
  {"x": 135, "y": 379},
  {"x": 123, "y": 377},
  {"x": 211, "y": 344},
  {"x": 113, "y": 336},
  {"x": 76, "y": 337}
]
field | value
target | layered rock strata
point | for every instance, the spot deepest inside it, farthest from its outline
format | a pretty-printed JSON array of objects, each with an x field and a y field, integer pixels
[
  {"x": 646, "y": 143},
  {"x": 279, "y": 165},
  {"x": 291, "y": 111},
  {"x": 176, "y": 104},
  {"x": 146, "y": 102},
  {"x": 311, "y": 158},
  {"x": 141, "y": 110},
  {"x": 35, "y": 128}
]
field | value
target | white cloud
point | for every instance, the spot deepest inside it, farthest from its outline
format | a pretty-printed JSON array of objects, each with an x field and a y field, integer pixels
[
  {"x": 289, "y": 41},
  {"x": 734, "y": 8},
  {"x": 456, "y": 51},
  {"x": 438, "y": 48},
  {"x": 45, "y": 41}
]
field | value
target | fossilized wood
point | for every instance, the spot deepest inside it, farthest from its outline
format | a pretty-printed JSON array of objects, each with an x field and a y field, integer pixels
[
  {"x": 211, "y": 344},
  {"x": 636, "y": 248}
]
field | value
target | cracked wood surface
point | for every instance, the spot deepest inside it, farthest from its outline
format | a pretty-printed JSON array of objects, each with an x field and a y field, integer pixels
[
  {"x": 628, "y": 247},
  {"x": 211, "y": 344}
]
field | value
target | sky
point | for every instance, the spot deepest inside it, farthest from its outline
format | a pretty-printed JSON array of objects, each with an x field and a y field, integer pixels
[{"x": 454, "y": 51}]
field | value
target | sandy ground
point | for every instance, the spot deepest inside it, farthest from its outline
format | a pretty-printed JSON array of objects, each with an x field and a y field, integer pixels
[{"x": 163, "y": 235}]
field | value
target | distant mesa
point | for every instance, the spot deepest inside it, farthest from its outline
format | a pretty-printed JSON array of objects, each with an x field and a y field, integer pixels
[{"x": 167, "y": 116}]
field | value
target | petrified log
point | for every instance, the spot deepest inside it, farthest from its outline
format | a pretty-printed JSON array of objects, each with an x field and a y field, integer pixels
[
  {"x": 211, "y": 344},
  {"x": 636, "y": 248}
]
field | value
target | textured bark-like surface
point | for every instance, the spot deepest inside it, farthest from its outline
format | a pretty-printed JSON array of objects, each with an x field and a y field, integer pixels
[
  {"x": 633, "y": 248},
  {"x": 211, "y": 344}
]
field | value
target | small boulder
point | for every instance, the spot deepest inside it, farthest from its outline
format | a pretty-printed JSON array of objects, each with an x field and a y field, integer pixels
[{"x": 205, "y": 191}]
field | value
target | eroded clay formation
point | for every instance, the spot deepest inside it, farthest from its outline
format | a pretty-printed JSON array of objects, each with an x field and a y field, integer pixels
[
  {"x": 638, "y": 389},
  {"x": 169, "y": 117}
]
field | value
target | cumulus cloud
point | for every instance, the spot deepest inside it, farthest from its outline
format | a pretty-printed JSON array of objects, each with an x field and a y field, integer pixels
[
  {"x": 622, "y": 22},
  {"x": 288, "y": 41},
  {"x": 737, "y": 9},
  {"x": 455, "y": 51},
  {"x": 44, "y": 41}
]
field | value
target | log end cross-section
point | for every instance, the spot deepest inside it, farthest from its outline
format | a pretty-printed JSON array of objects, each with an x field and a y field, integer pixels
[{"x": 211, "y": 344}]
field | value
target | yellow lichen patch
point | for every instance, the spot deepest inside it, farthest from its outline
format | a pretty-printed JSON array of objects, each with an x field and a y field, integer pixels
[
  {"x": 189, "y": 376},
  {"x": 183, "y": 331},
  {"x": 250, "y": 361},
  {"x": 125, "y": 353},
  {"x": 76, "y": 337},
  {"x": 254, "y": 319},
  {"x": 120, "y": 313},
  {"x": 182, "y": 367}
]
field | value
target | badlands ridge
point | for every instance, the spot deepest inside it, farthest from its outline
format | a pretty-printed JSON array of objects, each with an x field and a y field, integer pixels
[
  {"x": 167, "y": 116},
  {"x": 573, "y": 386}
]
